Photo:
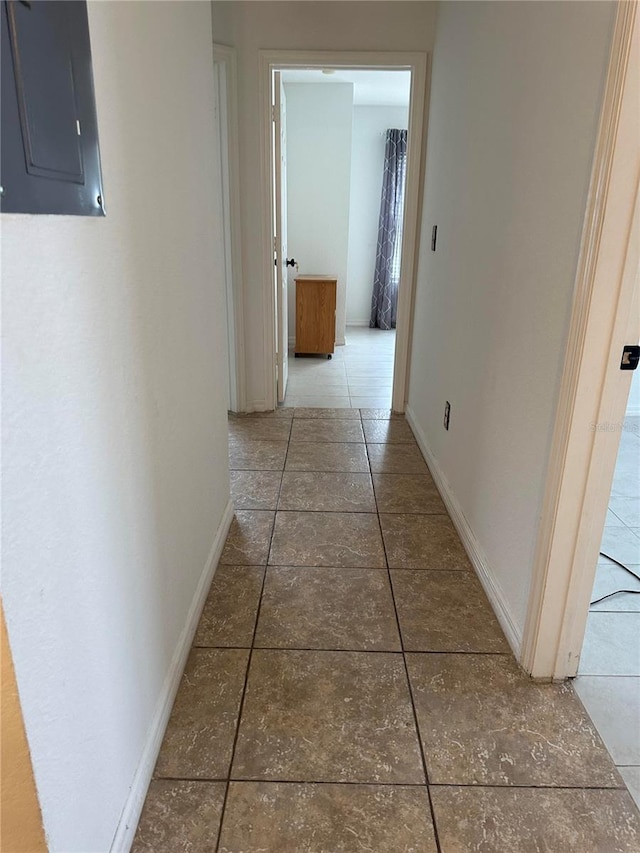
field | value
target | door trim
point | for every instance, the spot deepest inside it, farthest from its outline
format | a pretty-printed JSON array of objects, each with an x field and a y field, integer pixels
[
  {"x": 417, "y": 63},
  {"x": 593, "y": 391},
  {"x": 225, "y": 65}
]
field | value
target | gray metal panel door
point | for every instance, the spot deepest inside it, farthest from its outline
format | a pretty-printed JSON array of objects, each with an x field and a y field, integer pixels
[{"x": 50, "y": 154}]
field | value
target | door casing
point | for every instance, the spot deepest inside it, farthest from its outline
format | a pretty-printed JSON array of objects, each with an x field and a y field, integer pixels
[{"x": 226, "y": 81}]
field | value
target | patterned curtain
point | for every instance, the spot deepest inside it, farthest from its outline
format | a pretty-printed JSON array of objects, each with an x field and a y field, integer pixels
[{"x": 384, "y": 301}]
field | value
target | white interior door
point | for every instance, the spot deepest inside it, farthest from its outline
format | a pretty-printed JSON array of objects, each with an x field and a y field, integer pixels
[{"x": 280, "y": 237}]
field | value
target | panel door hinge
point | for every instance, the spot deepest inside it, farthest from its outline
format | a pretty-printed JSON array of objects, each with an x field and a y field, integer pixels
[
  {"x": 274, "y": 114},
  {"x": 630, "y": 357}
]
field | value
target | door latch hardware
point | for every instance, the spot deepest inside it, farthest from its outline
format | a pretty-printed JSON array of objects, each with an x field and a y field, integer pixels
[{"x": 630, "y": 357}]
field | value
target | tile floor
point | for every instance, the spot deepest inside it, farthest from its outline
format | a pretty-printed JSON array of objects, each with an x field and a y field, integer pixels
[
  {"x": 360, "y": 374},
  {"x": 609, "y": 679},
  {"x": 349, "y": 688}
]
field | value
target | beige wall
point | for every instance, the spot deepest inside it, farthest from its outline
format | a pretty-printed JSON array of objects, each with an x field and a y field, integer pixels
[
  {"x": 515, "y": 98},
  {"x": 20, "y": 822},
  {"x": 115, "y": 475},
  {"x": 252, "y": 26}
]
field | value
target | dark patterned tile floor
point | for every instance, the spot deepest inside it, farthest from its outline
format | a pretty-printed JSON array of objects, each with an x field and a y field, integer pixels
[{"x": 349, "y": 687}]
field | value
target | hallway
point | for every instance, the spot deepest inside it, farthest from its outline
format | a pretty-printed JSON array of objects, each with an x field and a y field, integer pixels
[{"x": 349, "y": 688}]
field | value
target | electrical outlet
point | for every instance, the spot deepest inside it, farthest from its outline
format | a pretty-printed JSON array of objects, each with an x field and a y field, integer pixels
[{"x": 447, "y": 414}]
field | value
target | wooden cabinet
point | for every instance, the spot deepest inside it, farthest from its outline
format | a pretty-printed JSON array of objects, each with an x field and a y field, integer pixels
[{"x": 315, "y": 314}]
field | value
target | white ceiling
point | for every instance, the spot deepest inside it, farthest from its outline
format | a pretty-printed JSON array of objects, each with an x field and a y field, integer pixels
[{"x": 370, "y": 88}]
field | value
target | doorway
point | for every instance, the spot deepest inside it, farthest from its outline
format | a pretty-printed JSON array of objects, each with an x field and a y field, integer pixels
[
  {"x": 608, "y": 679},
  {"x": 368, "y": 367},
  {"x": 345, "y": 158}
]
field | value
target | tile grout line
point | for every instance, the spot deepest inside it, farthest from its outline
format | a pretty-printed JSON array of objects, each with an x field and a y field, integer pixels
[
  {"x": 470, "y": 785},
  {"x": 246, "y": 675},
  {"x": 423, "y": 758},
  {"x": 321, "y": 650}
]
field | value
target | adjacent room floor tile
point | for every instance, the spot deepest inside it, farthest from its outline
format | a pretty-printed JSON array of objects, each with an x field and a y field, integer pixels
[
  {"x": 327, "y": 716},
  {"x": 627, "y": 509},
  {"x": 529, "y": 820},
  {"x": 407, "y": 493},
  {"x": 610, "y": 579},
  {"x": 291, "y": 818},
  {"x": 484, "y": 722},
  {"x": 611, "y": 645},
  {"x": 613, "y": 703},
  {"x": 625, "y": 480},
  {"x": 248, "y": 538},
  {"x": 329, "y": 429},
  {"x": 396, "y": 459},
  {"x": 180, "y": 817},
  {"x": 327, "y": 539},
  {"x": 259, "y": 429},
  {"x": 306, "y": 413},
  {"x": 321, "y": 492},
  {"x": 229, "y": 614},
  {"x": 255, "y": 489},
  {"x": 309, "y": 401},
  {"x": 422, "y": 542},
  {"x": 370, "y": 387},
  {"x": 327, "y": 456},
  {"x": 621, "y": 544},
  {"x": 445, "y": 612},
  {"x": 613, "y": 520},
  {"x": 357, "y": 374},
  {"x": 301, "y": 387},
  {"x": 257, "y": 455},
  {"x": 199, "y": 737},
  {"x": 631, "y": 776},
  {"x": 301, "y": 384},
  {"x": 378, "y": 402},
  {"x": 389, "y": 431},
  {"x": 327, "y": 608}
]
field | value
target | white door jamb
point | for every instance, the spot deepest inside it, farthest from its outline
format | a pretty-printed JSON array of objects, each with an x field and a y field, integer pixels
[{"x": 225, "y": 66}]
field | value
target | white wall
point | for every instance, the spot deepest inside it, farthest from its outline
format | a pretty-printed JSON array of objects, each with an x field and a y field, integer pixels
[
  {"x": 115, "y": 456},
  {"x": 515, "y": 98},
  {"x": 251, "y": 26},
  {"x": 367, "y": 163},
  {"x": 319, "y": 121}
]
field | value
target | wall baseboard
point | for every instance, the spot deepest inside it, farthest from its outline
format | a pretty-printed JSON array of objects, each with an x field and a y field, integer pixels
[
  {"x": 123, "y": 838},
  {"x": 358, "y": 323},
  {"x": 478, "y": 558},
  {"x": 256, "y": 406}
]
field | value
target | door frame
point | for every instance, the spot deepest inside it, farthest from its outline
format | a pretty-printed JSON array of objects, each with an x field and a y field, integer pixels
[
  {"x": 280, "y": 269},
  {"x": 226, "y": 81},
  {"x": 417, "y": 63},
  {"x": 593, "y": 391}
]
